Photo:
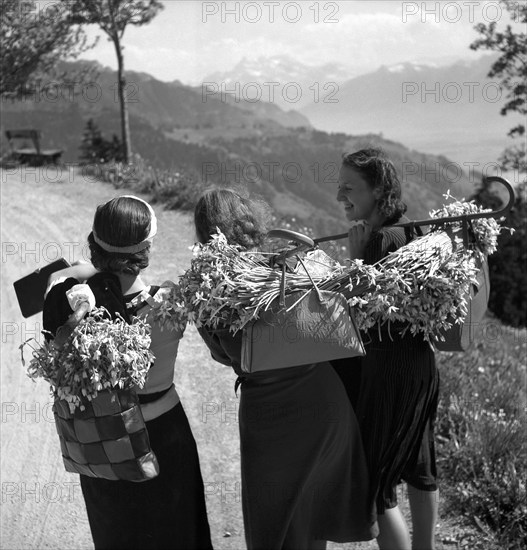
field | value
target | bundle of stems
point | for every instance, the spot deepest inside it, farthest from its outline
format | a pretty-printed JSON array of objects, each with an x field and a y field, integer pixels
[
  {"x": 226, "y": 285},
  {"x": 422, "y": 286}
]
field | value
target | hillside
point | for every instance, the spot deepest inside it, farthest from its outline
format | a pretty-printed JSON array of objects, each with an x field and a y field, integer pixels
[{"x": 275, "y": 153}]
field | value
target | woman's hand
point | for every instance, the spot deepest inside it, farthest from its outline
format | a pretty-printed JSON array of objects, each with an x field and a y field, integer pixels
[
  {"x": 78, "y": 294},
  {"x": 358, "y": 235}
]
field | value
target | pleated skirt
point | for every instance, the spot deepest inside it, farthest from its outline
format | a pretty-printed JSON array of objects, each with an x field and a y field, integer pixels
[
  {"x": 396, "y": 408},
  {"x": 304, "y": 474}
]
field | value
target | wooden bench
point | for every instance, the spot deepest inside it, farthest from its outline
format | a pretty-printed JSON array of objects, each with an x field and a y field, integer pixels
[{"x": 23, "y": 153}]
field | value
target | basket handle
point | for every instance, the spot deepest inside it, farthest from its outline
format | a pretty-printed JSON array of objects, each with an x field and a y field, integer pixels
[
  {"x": 465, "y": 218},
  {"x": 304, "y": 243}
]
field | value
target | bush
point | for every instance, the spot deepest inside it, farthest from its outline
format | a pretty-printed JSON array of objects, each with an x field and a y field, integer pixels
[
  {"x": 508, "y": 287},
  {"x": 96, "y": 149},
  {"x": 176, "y": 190}
]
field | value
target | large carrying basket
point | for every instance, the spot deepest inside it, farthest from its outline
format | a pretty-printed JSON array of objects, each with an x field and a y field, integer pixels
[
  {"x": 461, "y": 335},
  {"x": 301, "y": 328},
  {"x": 108, "y": 439}
]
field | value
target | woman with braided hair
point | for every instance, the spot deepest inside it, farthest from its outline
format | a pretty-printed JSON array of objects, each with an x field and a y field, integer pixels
[{"x": 303, "y": 473}]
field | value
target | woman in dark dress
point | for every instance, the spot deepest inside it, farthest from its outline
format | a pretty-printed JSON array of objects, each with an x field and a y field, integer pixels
[
  {"x": 304, "y": 479},
  {"x": 168, "y": 511},
  {"x": 397, "y": 380}
]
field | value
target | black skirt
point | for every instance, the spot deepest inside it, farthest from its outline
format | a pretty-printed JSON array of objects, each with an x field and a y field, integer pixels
[
  {"x": 167, "y": 512},
  {"x": 304, "y": 473}
]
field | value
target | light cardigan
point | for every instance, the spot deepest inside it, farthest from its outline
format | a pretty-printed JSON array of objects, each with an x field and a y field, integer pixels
[{"x": 164, "y": 343}]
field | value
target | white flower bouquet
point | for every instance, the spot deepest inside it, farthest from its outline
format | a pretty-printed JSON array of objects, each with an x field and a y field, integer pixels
[
  {"x": 425, "y": 284},
  {"x": 100, "y": 354}
]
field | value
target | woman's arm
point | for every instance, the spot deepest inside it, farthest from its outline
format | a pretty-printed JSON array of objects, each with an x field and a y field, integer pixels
[
  {"x": 358, "y": 237},
  {"x": 79, "y": 270},
  {"x": 217, "y": 351},
  {"x": 56, "y": 306}
]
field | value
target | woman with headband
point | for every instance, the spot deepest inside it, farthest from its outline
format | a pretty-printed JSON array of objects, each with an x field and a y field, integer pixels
[{"x": 168, "y": 511}]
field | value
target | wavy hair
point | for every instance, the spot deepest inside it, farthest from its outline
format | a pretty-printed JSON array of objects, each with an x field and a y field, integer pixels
[{"x": 380, "y": 173}]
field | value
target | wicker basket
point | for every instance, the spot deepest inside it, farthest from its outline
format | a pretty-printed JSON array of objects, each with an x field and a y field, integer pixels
[{"x": 108, "y": 439}]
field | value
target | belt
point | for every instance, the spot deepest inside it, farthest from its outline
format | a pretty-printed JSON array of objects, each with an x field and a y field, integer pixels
[
  {"x": 162, "y": 405},
  {"x": 284, "y": 374}
]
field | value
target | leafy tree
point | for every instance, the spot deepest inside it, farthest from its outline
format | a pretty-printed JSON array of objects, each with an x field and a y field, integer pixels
[
  {"x": 508, "y": 265},
  {"x": 96, "y": 149},
  {"x": 511, "y": 67},
  {"x": 113, "y": 16},
  {"x": 33, "y": 38}
]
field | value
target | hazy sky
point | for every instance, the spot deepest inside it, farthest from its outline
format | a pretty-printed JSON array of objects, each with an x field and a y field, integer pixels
[{"x": 189, "y": 40}]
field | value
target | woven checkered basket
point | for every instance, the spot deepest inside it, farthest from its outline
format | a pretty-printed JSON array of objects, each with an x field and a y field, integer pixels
[{"x": 108, "y": 439}]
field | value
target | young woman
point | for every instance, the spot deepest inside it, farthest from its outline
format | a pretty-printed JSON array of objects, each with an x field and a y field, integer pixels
[
  {"x": 167, "y": 512},
  {"x": 304, "y": 479},
  {"x": 397, "y": 379}
]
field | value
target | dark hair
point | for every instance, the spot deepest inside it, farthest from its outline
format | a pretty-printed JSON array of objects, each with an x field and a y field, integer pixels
[
  {"x": 123, "y": 221},
  {"x": 379, "y": 172},
  {"x": 243, "y": 221}
]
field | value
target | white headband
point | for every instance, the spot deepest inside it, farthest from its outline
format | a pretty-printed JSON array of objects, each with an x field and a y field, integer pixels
[{"x": 134, "y": 247}]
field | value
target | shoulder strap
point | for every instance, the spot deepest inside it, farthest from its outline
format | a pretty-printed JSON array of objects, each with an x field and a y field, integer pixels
[{"x": 411, "y": 231}]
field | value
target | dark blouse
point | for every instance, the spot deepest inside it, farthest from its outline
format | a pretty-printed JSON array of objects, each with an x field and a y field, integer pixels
[{"x": 386, "y": 240}]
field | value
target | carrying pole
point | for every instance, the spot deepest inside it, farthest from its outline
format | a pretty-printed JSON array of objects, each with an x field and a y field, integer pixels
[{"x": 449, "y": 219}]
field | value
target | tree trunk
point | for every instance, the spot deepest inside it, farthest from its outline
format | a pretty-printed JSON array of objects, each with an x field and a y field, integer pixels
[{"x": 121, "y": 86}]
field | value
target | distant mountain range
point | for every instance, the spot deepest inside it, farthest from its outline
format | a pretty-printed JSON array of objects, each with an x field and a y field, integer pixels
[
  {"x": 281, "y": 80},
  {"x": 275, "y": 153},
  {"x": 452, "y": 109}
]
